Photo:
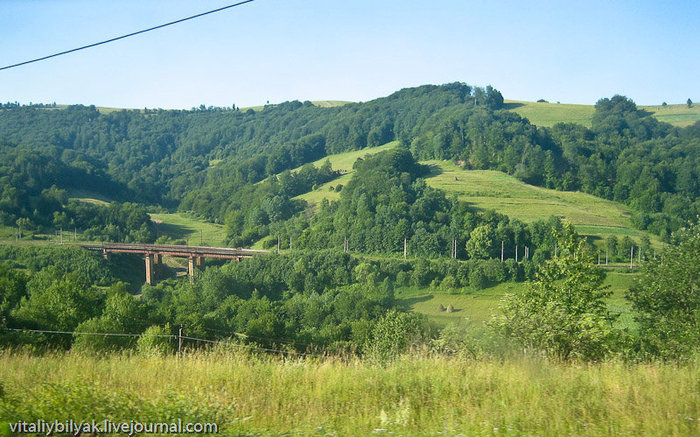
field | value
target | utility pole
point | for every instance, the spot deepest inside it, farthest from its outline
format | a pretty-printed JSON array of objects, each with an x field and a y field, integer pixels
[
  {"x": 61, "y": 236},
  {"x": 502, "y": 246},
  {"x": 516, "y": 253},
  {"x": 405, "y": 248},
  {"x": 179, "y": 342},
  {"x": 278, "y": 243},
  {"x": 631, "y": 256}
]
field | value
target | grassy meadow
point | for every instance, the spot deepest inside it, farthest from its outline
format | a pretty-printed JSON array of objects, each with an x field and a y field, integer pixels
[
  {"x": 190, "y": 230},
  {"x": 421, "y": 394},
  {"x": 548, "y": 114},
  {"x": 488, "y": 189},
  {"x": 478, "y": 306},
  {"x": 342, "y": 162}
]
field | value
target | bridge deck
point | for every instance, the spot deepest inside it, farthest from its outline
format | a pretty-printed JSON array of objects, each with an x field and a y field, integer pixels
[{"x": 174, "y": 250}]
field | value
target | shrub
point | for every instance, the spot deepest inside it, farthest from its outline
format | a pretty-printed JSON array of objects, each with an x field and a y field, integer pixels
[{"x": 156, "y": 341}]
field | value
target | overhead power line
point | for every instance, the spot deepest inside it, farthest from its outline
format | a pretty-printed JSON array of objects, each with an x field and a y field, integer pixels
[{"x": 126, "y": 36}]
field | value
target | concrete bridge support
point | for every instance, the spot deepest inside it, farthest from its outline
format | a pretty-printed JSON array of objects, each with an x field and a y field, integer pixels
[
  {"x": 158, "y": 264},
  {"x": 149, "y": 269},
  {"x": 194, "y": 262}
]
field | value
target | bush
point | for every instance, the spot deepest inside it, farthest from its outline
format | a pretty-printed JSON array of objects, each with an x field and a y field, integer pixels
[
  {"x": 394, "y": 333},
  {"x": 156, "y": 341},
  {"x": 477, "y": 279},
  {"x": 667, "y": 298}
]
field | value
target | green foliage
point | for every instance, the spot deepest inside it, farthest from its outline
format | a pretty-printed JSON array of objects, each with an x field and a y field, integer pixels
[
  {"x": 122, "y": 314},
  {"x": 13, "y": 287},
  {"x": 481, "y": 242},
  {"x": 563, "y": 311},
  {"x": 394, "y": 334},
  {"x": 156, "y": 341},
  {"x": 667, "y": 298},
  {"x": 58, "y": 303}
]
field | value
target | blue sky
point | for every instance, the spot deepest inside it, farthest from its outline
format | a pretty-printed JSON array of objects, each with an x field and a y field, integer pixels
[{"x": 276, "y": 50}]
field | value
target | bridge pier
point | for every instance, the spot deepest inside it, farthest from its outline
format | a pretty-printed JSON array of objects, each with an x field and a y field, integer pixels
[
  {"x": 149, "y": 269},
  {"x": 158, "y": 264},
  {"x": 192, "y": 263}
]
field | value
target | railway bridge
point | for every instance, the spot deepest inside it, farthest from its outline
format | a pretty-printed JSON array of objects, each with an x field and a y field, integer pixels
[{"x": 153, "y": 254}]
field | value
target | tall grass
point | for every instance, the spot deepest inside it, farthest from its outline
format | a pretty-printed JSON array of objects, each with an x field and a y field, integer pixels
[{"x": 416, "y": 395}]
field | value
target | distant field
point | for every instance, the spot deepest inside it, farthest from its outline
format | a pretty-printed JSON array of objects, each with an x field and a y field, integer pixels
[
  {"x": 479, "y": 306},
  {"x": 677, "y": 115},
  {"x": 549, "y": 114},
  {"x": 88, "y": 197},
  {"x": 542, "y": 114},
  {"x": 486, "y": 189},
  {"x": 193, "y": 231},
  {"x": 319, "y": 103},
  {"x": 342, "y": 162}
]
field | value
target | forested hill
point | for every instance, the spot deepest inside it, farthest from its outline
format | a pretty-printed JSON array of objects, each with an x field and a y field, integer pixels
[{"x": 207, "y": 160}]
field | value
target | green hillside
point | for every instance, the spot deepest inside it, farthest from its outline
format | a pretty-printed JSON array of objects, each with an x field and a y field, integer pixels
[
  {"x": 189, "y": 230},
  {"x": 549, "y": 114},
  {"x": 342, "y": 162},
  {"x": 487, "y": 189},
  {"x": 319, "y": 103}
]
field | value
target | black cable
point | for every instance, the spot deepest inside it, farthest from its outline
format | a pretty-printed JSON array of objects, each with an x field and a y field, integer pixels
[{"x": 126, "y": 36}]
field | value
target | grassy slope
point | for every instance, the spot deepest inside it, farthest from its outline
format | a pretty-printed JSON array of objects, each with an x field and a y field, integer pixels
[
  {"x": 342, "y": 162},
  {"x": 88, "y": 197},
  {"x": 193, "y": 231},
  {"x": 486, "y": 189},
  {"x": 549, "y": 114}
]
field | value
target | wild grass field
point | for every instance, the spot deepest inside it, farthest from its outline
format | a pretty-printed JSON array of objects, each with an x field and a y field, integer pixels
[{"x": 419, "y": 394}]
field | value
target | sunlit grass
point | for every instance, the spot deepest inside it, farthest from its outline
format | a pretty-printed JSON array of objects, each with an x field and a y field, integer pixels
[
  {"x": 487, "y": 189},
  {"x": 480, "y": 305},
  {"x": 416, "y": 395},
  {"x": 549, "y": 114},
  {"x": 190, "y": 230}
]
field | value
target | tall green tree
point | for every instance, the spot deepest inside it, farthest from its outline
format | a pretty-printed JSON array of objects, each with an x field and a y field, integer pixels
[
  {"x": 667, "y": 298},
  {"x": 562, "y": 312}
]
